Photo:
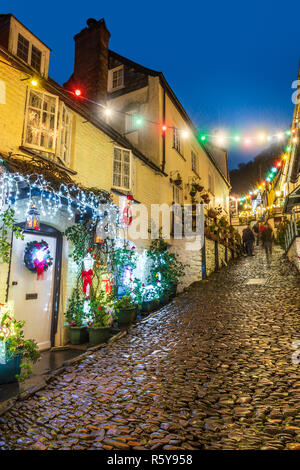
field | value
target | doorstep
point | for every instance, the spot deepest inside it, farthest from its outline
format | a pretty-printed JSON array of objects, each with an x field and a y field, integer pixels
[{"x": 49, "y": 361}]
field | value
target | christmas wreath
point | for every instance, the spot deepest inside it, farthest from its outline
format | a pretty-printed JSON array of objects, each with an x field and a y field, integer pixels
[{"x": 37, "y": 257}]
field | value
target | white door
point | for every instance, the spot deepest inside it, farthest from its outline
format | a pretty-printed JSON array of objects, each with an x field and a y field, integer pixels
[{"x": 32, "y": 298}]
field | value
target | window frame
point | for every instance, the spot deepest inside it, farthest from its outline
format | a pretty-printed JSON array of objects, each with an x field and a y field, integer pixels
[
  {"x": 177, "y": 141},
  {"x": 180, "y": 192},
  {"x": 111, "y": 88},
  {"x": 55, "y": 132},
  {"x": 63, "y": 107},
  {"x": 195, "y": 168},
  {"x": 122, "y": 149},
  {"x": 33, "y": 41}
]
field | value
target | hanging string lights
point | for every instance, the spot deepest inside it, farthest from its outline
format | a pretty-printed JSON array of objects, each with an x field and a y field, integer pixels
[
  {"x": 45, "y": 200},
  {"x": 218, "y": 138}
]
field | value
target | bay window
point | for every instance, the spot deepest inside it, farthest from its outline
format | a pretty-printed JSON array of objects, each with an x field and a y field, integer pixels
[{"x": 48, "y": 125}]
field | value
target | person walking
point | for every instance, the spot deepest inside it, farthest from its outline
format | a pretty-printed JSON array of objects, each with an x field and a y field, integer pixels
[
  {"x": 248, "y": 239},
  {"x": 256, "y": 232},
  {"x": 267, "y": 238}
]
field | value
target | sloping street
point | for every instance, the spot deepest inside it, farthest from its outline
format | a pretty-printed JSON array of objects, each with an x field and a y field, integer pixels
[{"x": 211, "y": 370}]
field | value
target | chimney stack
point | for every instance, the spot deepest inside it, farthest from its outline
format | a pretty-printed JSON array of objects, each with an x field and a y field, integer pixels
[{"x": 91, "y": 61}]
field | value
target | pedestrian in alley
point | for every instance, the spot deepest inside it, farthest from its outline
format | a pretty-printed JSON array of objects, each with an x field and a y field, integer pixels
[
  {"x": 248, "y": 239},
  {"x": 267, "y": 238},
  {"x": 256, "y": 232}
]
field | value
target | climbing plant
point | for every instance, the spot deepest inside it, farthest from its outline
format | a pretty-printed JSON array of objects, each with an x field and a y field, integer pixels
[{"x": 8, "y": 224}]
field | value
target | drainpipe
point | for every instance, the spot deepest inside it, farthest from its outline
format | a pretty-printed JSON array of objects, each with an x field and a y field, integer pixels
[{"x": 163, "y": 133}]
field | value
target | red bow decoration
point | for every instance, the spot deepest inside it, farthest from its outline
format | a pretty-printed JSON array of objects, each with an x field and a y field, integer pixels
[
  {"x": 87, "y": 279},
  {"x": 40, "y": 268},
  {"x": 107, "y": 286}
]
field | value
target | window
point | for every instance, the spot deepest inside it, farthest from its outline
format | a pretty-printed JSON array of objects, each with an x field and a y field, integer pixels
[
  {"x": 22, "y": 48},
  {"x": 176, "y": 140},
  {"x": 211, "y": 183},
  {"x": 41, "y": 120},
  {"x": 116, "y": 78},
  {"x": 130, "y": 122},
  {"x": 121, "y": 168},
  {"x": 64, "y": 137},
  {"x": 194, "y": 157},
  {"x": 36, "y": 58},
  {"x": 177, "y": 195}
]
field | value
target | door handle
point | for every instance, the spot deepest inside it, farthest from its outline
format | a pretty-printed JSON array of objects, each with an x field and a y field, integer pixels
[{"x": 14, "y": 283}]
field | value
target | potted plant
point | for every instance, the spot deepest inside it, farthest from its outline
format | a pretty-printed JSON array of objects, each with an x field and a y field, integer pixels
[
  {"x": 150, "y": 300},
  {"x": 199, "y": 188},
  {"x": 126, "y": 310},
  {"x": 178, "y": 180},
  {"x": 75, "y": 318},
  {"x": 102, "y": 317},
  {"x": 14, "y": 349}
]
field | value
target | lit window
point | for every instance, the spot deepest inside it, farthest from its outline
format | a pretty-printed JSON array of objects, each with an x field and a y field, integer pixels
[
  {"x": 41, "y": 121},
  {"x": 176, "y": 140},
  {"x": 121, "y": 168},
  {"x": 22, "y": 48},
  {"x": 36, "y": 58}
]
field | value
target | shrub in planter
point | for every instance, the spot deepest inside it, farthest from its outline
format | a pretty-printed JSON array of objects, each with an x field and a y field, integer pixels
[
  {"x": 102, "y": 317},
  {"x": 75, "y": 318},
  {"x": 150, "y": 301},
  {"x": 126, "y": 311},
  {"x": 14, "y": 349}
]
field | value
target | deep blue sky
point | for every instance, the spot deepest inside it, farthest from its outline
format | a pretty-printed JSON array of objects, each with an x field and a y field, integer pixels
[{"x": 230, "y": 63}]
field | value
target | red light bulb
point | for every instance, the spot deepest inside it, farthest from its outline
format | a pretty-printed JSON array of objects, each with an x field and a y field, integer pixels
[
  {"x": 164, "y": 128},
  {"x": 77, "y": 92}
]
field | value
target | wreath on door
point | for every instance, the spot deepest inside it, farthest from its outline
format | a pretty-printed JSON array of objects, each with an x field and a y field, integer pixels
[{"x": 37, "y": 257}]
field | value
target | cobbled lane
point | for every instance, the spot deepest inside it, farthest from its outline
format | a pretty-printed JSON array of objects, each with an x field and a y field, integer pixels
[{"x": 211, "y": 370}]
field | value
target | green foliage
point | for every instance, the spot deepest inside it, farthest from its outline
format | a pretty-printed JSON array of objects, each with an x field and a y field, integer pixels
[
  {"x": 124, "y": 302},
  {"x": 75, "y": 315},
  {"x": 123, "y": 258},
  {"x": 81, "y": 239},
  {"x": 7, "y": 222},
  {"x": 102, "y": 311},
  {"x": 166, "y": 269},
  {"x": 12, "y": 334}
]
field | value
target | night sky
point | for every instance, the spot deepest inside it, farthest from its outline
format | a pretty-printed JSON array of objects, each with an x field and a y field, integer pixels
[{"x": 230, "y": 63}]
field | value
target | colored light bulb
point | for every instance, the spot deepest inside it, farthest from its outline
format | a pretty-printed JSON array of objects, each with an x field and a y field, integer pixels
[{"x": 77, "y": 92}]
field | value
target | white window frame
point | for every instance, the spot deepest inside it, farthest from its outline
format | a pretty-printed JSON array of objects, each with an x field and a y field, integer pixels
[
  {"x": 34, "y": 146},
  {"x": 195, "y": 162},
  {"x": 211, "y": 183},
  {"x": 177, "y": 191},
  {"x": 130, "y": 124},
  {"x": 110, "y": 78},
  {"x": 121, "y": 174},
  {"x": 61, "y": 129},
  {"x": 176, "y": 140},
  {"x": 17, "y": 29}
]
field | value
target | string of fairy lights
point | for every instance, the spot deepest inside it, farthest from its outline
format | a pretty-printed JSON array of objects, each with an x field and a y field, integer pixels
[
  {"x": 246, "y": 200},
  {"x": 219, "y": 138}
]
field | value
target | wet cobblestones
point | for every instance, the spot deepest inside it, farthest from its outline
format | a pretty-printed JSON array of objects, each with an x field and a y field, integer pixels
[{"x": 211, "y": 370}]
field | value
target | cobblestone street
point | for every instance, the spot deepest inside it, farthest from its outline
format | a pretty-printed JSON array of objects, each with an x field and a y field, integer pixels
[{"x": 211, "y": 370}]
